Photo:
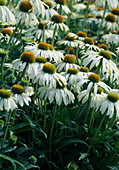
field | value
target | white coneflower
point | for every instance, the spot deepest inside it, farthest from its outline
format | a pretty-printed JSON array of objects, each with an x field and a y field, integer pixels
[
  {"x": 108, "y": 103},
  {"x": 112, "y": 37},
  {"x": 71, "y": 40},
  {"x": 19, "y": 93},
  {"x": 73, "y": 77},
  {"x": 36, "y": 33},
  {"x": 110, "y": 22},
  {"x": 26, "y": 62},
  {"x": 49, "y": 11},
  {"x": 5, "y": 14},
  {"x": 108, "y": 68},
  {"x": 68, "y": 62},
  {"x": 5, "y": 35},
  {"x": 7, "y": 102},
  {"x": 111, "y": 3},
  {"x": 45, "y": 50},
  {"x": 39, "y": 62},
  {"x": 89, "y": 44},
  {"x": 24, "y": 15},
  {"x": 93, "y": 83},
  {"x": 60, "y": 94},
  {"x": 57, "y": 22},
  {"x": 47, "y": 76}
]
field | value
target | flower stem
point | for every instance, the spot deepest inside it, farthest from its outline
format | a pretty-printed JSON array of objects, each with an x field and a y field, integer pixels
[
  {"x": 44, "y": 32},
  {"x": 52, "y": 127},
  {"x": 2, "y": 69},
  {"x": 36, "y": 87},
  {"x": 77, "y": 51},
  {"x": 86, "y": 15},
  {"x": 23, "y": 74},
  {"x": 101, "y": 122},
  {"x": 53, "y": 37},
  {"x": 5, "y": 134},
  {"x": 90, "y": 122},
  {"x": 111, "y": 122},
  {"x": 44, "y": 122},
  {"x": 98, "y": 34}
]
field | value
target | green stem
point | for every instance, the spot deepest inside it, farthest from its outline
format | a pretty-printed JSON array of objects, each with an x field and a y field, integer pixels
[
  {"x": 53, "y": 37},
  {"x": 5, "y": 134},
  {"x": 101, "y": 122},
  {"x": 23, "y": 74},
  {"x": 90, "y": 122},
  {"x": 36, "y": 87},
  {"x": 77, "y": 51},
  {"x": 44, "y": 32},
  {"x": 14, "y": 115},
  {"x": 45, "y": 108},
  {"x": 2, "y": 69},
  {"x": 111, "y": 122},
  {"x": 13, "y": 34},
  {"x": 86, "y": 15},
  {"x": 100, "y": 27},
  {"x": 52, "y": 127}
]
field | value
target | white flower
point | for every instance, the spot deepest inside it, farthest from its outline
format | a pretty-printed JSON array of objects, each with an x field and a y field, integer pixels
[
  {"x": 108, "y": 68},
  {"x": 111, "y": 38},
  {"x": 49, "y": 11},
  {"x": 6, "y": 15},
  {"x": 36, "y": 33},
  {"x": 45, "y": 50},
  {"x": 111, "y": 3},
  {"x": 58, "y": 94},
  {"x": 19, "y": 93},
  {"x": 93, "y": 81},
  {"x": 24, "y": 15},
  {"x": 26, "y": 62},
  {"x": 47, "y": 76},
  {"x": 89, "y": 44},
  {"x": 71, "y": 41},
  {"x": 108, "y": 103},
  {"x": 7, "y": 102},
  {"x": 57, "y": 23},
  {"x": 68, "y": 62}
]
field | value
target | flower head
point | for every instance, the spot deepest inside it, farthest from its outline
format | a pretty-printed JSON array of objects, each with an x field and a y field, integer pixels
[
  {"x": 18, "y": 89},
  {"x": 25, "y": 6},
  {"x": 69, "y": 59},
  {"x": 110, "y": 18},
  {"x": 5, "y": 93},
  {"x": 2, "y": 3},
  {"x": 5, "y": 31},
  {"x": 61, "y": 2},
  {"x": 115, "y": 11},
  {"x": 27, "y": 57},
  {"x": 49, "y": 68},
  {"x": 88, "y": 40},
  {"x": 57, "y": 18},
  {"x": 106, "y": 55},
  {"x": 94, "y": 78}
]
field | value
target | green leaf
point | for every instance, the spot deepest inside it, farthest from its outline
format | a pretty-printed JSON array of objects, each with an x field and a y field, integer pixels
[{"x": 13, "y": 161}]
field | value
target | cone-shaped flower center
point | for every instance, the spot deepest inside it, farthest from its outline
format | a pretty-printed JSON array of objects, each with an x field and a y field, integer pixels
[
  {"x": 72, "y": 71},
  {"x": 59, "y": 86},
  {"x": 49, "y": 68},
  {"x": 70, "y": 38},
  {"x": 61, "y": 2},
  {"x": 106, "y": 55},
  {"x": 25, "y": 6},
  {"x": 43, "y": 46},
  {"x": 99, "y": 16},
  {"x": 115, "y": 11},
  {"x": 5, "y": 93},
  {"x": 110, "y": 18},
  {"x": 40, "y": 25},
  {"x": 69, "y": 59},
  {"x": 84, "y": 69},
  {"x": 105, "y": 47},
  {"x": 94, "y": 78},
  {"x": 5, "y": 31},
  {"x": 99, "y": 8},
  {"x": 91, "y": 16},
  {"x": 85, "y": 2},
  {"x": 27, "y": 57},
  {"x": 51, "y": 47},
  {"x": 57, "y": 18},
  {"x": 41, "y": 59},
  {"x": 18, "y": 89},
  {"x": 2, "y": 2},
  {"x": 113, "y": 97},
  {"x": 114, "y": 32},
  {"x": 99, "y": 90},
  {"x": 88, "y": 40},
  {"x": 81, "y": 34},
  {"x": 71, "y": 50},
  {"x": 48, "y": 3}
]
